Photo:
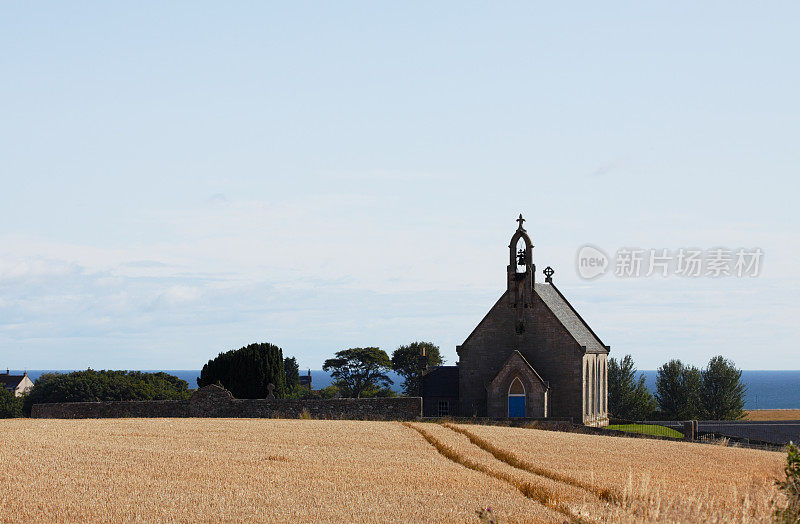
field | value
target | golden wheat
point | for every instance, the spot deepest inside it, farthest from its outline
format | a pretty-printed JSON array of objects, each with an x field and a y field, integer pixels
[
  {"x": 512, "y": 459},
  {"x": 239, "y": 470},
  {"x": 572, "y": 502},
  {"x": 656, "y": 480},
  {"x": 347, "y": 471},
  {"x": 772, "y": 414}
]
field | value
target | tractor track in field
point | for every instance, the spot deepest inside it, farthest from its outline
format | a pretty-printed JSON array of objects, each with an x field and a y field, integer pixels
[
  {"x": 608, "y": 495},
  {"x": 531, "y": 490}
]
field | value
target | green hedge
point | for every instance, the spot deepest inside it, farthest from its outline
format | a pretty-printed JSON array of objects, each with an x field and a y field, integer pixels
[{"x": 96, "y": 386}]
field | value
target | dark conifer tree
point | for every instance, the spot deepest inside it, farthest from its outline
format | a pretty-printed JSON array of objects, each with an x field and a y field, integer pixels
[
  {"x": 292, "y": 372},
  {"x": 679, "y": 391},
  {"x": 246, "y": 372},
  {"x": 723, "y": 390},
  {"x": 628, "y": 397}
]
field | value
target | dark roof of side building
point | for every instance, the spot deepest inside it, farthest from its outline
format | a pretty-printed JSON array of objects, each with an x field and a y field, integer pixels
[
  {"x": 570, "y": 318},
  {"x": 10, "y": 381},
  {"x": 441, "y": 381}
]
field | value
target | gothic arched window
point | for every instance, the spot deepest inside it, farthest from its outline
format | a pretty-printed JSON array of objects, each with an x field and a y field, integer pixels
[
  {"x": 604, "y": 386},
  {"x": 586, "y": 392}
]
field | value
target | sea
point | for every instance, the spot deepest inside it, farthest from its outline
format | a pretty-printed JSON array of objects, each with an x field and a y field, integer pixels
[{"x": 765, "y": 389}]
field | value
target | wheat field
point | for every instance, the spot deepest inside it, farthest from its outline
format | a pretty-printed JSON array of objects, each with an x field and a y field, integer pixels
[
  {"x": 772, "y": 414},
  {"x": 271, "y": 470},
  {"x": 653, "y": 479}
]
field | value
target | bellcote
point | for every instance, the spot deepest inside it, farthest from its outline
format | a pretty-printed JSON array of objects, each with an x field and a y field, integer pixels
[{"x": 521, "y": 269}]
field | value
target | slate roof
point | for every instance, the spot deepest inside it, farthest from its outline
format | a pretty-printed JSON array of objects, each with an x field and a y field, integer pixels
[
  {"x": 441, "y": 381},
  {"x": 569, "y": 318},
  {"x": 10, "y": 381}
]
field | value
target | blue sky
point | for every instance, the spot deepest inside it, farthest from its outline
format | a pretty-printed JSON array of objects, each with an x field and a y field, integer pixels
[{"x": 183, "y": 179}]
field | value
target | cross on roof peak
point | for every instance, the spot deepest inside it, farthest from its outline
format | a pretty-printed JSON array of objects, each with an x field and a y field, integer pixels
[{"x": 520, "y": 220}]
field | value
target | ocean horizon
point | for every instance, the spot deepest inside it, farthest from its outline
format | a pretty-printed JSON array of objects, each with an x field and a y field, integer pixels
[{"x": 766, "y": 389}]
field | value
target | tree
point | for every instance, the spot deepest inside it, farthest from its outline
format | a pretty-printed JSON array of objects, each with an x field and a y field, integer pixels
[
  {"x": 722, "y": 391},
  {"x": 357, "y": 370},
  {"x": 679, "y": 391},
  {"x": 246, "y": 372},
  {"x": 10, "y": 404},
  {"x": 693, "y": 386},
  {"x": 292, "y": 372},
  {"x": 328, "y": 392},
  {"x": 406, "y": 362},
  {"x": 379, "y": 392},
  {"x": 97, "y": 386},
  {"x": 628, "y": 398}
]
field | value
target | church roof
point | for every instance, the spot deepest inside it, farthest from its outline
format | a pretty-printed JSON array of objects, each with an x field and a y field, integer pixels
[{"x": 569, "y": 318}]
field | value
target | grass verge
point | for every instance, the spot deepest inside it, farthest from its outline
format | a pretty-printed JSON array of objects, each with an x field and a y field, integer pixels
[{"x": 647, "y": 429}]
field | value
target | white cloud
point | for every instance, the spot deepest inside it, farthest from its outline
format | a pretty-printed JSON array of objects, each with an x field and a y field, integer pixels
[{"x": 319, "y": 273}]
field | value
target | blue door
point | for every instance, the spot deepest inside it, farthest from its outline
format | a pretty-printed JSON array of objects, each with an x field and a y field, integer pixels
[{"x": 516, "y": 406}]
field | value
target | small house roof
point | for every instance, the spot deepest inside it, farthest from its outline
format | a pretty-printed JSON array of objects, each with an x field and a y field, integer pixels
[
  {"x": 441, "y": 381},
  {"x": 10, "y": 381}
]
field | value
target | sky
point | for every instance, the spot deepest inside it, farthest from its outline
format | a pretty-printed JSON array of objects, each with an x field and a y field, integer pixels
[{"x": 180, "y": 179}]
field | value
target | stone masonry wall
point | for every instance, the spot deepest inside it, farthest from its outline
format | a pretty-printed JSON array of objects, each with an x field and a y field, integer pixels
[
  {"x": 215, "y": 401},
  {"x": 546, "y": 344}
]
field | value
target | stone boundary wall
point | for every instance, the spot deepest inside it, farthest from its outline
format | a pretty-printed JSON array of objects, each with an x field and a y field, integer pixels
[{"x": 215, "y": 401}]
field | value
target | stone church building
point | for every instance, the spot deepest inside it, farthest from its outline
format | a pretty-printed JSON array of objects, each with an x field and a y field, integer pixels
[{"x": 531, "y": 356}]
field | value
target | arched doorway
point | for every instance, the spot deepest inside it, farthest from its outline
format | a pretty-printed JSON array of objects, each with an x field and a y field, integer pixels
[{"x": 516, "y": 399}]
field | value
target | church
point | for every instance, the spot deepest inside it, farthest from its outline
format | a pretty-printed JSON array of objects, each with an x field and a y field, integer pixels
[{"x": 532, "y": 356}]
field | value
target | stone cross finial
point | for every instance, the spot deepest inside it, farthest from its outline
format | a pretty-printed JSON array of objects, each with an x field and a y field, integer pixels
[
  {"x": 271, "y": 387},
  {"x": 548, "y": 274},
  {"x": 520, "y": 220}
]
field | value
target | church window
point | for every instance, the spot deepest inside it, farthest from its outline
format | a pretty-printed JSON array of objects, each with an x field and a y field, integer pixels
[
  {"x": 604, "y": 385},
  {"x": 586, "y": 392},
  {"x": 444, "y": 408},
  {"x": 594, "y": 385},
  {"x": 597, "y": 388},
  {"x": 605, "y": 396}
]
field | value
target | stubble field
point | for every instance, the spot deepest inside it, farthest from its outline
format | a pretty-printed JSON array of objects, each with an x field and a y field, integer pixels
[{"x": 348, "y": 471}]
